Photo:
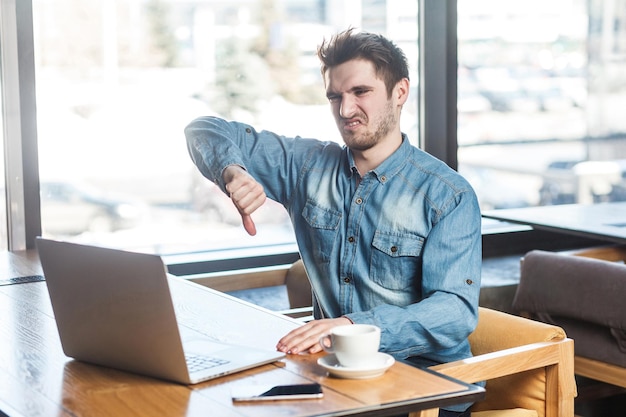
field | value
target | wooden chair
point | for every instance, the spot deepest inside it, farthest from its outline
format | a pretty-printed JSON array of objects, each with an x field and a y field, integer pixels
[
  {"x": 582, "y": 292},
  {"x": 590, "y": 368},
  {"x": 528, "y": 367},
  {"x": 292, "y": 276}
]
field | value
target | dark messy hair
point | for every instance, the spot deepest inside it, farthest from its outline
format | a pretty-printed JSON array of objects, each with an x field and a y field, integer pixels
[{"x": 389, "y": 61}]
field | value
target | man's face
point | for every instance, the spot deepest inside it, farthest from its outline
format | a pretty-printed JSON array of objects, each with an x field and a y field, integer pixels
[{"x": 364, "y": 114}]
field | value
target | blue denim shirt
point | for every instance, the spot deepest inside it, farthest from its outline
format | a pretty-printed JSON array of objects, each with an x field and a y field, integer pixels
[{"x": 401, "y": 248}]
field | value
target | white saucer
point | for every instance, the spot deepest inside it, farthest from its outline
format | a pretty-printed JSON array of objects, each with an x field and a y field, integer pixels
[{"x": 380, "y": 364}]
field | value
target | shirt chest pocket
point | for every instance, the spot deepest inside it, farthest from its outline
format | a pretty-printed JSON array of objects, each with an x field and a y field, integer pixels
[
  {"x": 323, "y": 225},
  {"x": 395, "y": 262}
]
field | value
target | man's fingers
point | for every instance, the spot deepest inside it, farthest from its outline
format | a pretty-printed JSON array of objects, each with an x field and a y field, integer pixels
[
  {"x": 247, "y": 195},
  {"x": 306, "y": 338},
  {"x": 246, "y": 207}
]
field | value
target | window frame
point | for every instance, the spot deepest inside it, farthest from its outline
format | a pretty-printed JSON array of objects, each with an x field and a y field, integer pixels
[
  {"x": 438, "y": 79},
  {"x": 19, "y": 124}
]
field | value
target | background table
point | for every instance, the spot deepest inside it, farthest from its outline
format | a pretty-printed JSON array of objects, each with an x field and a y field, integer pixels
[
  {"x": 604, "y": 221},
  {"x": 37, "y": 379}
]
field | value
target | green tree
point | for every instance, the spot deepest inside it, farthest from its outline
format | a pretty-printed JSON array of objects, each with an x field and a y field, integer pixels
[
  {"x": 242, "y": 79},
  {"x": 162, "y": 37},
  {"x": 280, "y": 51}
]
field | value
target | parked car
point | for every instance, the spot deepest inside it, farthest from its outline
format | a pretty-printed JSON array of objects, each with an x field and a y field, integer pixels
[
  {"x": 69, "y": 208},
  {"x": 567, "y": 182}
]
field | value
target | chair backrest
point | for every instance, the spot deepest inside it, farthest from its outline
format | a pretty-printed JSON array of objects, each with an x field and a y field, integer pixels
[
  {"x": 583, "y": 295},
  {"x": 298, "y": 286}
]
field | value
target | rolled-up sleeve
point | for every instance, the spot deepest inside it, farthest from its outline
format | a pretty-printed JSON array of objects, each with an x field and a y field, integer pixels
[{"x": 213, "y": 145}]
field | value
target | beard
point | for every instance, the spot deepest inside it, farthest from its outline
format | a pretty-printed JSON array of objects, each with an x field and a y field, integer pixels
[{"x": 384, "y": 124}]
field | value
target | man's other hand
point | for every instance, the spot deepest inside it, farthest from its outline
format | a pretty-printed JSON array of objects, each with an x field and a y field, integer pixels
[{"x": 307, "y": 338}]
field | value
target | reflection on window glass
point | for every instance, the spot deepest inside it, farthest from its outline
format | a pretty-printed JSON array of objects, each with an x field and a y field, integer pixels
[
  {"x": 117, "y": 81},
  {"x": 540, "y": 92}
]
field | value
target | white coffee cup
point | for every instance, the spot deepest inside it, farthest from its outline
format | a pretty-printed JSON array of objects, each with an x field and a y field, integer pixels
[{"x": 354, "y": 345}]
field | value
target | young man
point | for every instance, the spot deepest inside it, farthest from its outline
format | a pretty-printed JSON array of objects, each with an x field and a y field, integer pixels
[{"x": 389, "y": 235}]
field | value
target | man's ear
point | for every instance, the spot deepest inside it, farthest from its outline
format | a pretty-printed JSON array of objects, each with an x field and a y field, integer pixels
[{"x": 401, "y": 91}]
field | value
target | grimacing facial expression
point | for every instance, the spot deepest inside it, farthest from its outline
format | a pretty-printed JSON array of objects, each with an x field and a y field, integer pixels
[{"x": 363, "y": 112}]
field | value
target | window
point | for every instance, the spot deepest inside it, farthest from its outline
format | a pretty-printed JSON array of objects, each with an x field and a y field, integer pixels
[
  {"x": 118, "y": 81},
  {"x": 541, "y": 86},
  {"x": 538, "y": 109}
]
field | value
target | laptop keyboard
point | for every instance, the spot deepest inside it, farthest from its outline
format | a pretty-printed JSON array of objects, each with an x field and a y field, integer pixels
[{"x": 197, "y": 363}]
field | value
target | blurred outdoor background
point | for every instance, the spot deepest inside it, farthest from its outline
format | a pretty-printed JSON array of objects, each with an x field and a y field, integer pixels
[{"x": 541, "y": 93}]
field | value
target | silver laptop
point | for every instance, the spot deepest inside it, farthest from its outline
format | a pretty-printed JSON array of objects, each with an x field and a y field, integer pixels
[{"x": 114, "y": 308}]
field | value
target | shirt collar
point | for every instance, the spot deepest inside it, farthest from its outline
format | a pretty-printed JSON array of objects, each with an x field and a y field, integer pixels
[{"x": 389, "y": 167}]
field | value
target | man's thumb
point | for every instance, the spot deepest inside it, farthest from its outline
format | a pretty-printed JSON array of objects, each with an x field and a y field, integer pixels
[{"x": 248, "y": 224}]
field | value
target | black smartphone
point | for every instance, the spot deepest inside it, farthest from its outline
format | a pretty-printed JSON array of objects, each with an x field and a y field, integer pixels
[{"x": 277, "y": 392}]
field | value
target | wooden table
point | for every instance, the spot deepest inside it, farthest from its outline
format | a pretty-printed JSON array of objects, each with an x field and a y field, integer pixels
[
  {"x": 604, "y": 221},
  {"x": 37, "y": 379}
]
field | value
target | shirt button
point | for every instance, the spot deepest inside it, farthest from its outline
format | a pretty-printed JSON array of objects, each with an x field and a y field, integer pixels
[
  {"x": 351, "y": 239},
  {"x": 248, "y": 130},
  {"x": 394, "y": 249},
  {"x": 347, "y": 280},
  {"x": 359, "y": 200},
  {"x": 469, "y": 281},
  {"x": 383, "y": 178}
]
